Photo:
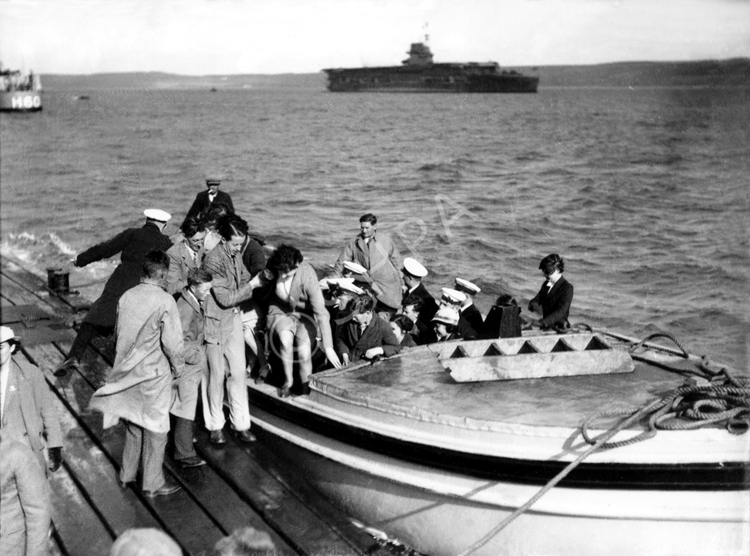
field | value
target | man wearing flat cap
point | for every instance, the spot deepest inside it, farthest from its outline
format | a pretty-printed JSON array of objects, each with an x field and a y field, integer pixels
[
  {"x": 211, "y": 196},
  {"x": 27, "y": 412},
  {"x": 133, "y": 243},
  {"x": 468, "y": 310},
  {"x": 413, "y": 272}
]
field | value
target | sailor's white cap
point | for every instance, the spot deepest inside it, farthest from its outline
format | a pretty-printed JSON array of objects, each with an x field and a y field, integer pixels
[
  {"x": 156, "y": 214},
  {"x": 414, "y": 267},
  {"x": 323, "y": 283},
  {"x": 7, "y": 334},
  {"x": 466, "y": 286},
  {"x": 448, "y": 315},
  {"x": 354, "y": 267},
  {"x": 453, "y": 296},
  {"x": 347, "y": 284}
]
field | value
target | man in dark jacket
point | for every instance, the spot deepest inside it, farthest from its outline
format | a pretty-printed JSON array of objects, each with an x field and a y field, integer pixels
[
  {"x": 366, "y": 336},
  {"x": 133, "y": 243},
  {"x": 205, "y": 199}
]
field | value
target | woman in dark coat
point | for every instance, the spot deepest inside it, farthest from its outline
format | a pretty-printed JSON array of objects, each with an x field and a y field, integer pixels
[
  {"x": 554, "y": 297},
  {"x": 133, "y": 243}
]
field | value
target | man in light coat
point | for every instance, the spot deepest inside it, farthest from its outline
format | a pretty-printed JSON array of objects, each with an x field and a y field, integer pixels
[
  {"x": 27, "y": 411},
  {"x": 24, "y": 502},
  {"x": 149, "y": 360},
  {"x": 379, "y": 255}
]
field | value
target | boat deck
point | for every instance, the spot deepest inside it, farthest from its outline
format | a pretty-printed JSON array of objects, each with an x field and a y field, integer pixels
[
  {"x": 417, "y": 384},
  {"x": 241, "y": 486}
]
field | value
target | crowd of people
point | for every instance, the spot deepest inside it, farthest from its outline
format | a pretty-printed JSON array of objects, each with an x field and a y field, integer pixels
[{"x": 197, "y": 314}]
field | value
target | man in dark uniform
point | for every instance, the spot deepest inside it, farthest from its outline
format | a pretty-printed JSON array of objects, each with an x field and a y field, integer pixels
[
  {"x": 413, "y": 272},
  {"x": 455, "y": 300},
  {"x": 134, "y": 243},
  {"x": 468, "y": 310},
  {"x": 205, "y": 199}
]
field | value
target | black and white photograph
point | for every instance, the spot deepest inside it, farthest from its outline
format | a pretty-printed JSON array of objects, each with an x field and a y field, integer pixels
[{"x": 374, "y": 277}]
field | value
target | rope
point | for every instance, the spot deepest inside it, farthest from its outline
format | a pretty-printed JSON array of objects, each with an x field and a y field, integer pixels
[
  {"x": 725, "y": 399},
  {"x": 559, "y": 477},
  {"x": 685, "y": 354}
]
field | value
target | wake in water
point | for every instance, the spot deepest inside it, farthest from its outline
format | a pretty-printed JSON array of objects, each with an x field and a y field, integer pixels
[{"x": 50, "y": 251}]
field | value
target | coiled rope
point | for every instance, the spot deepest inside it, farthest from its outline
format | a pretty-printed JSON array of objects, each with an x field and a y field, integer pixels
[{"x": 723, "y": 399}]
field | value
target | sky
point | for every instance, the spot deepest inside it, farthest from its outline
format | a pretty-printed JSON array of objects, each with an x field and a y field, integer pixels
[{"x": 214, "y": 37}]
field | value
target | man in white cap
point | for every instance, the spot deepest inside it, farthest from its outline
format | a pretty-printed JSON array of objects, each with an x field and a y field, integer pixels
[
  {"x": 379, "y": 255},
  {"x": 133, "y": 243},
  {"x": 468, "y": 310},
  {"x": 455, "y": 300},
  {"x": 27, "y": 412},
  {"x": 413, "y": 272},
  {"x": 210, "y": 197}
]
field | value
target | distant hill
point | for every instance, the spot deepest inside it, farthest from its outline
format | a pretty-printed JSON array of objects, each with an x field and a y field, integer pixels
[
  {"x": 733, "y": 72},
  {"x": 157, "y": 80}
]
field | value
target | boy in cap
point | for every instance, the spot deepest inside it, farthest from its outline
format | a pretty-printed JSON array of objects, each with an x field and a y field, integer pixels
[
  {"x": 206, "y": 199},
  {"x": 133, "y": 243},
  {"x": 413, "y": 272},
  {"x": 191, "y": 308},
  {"x": 468, "y": 310},
  {"x": 27, "y": 412}
]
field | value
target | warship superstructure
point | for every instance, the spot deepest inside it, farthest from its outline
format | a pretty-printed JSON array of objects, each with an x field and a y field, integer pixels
[{"x": 419, "y": 74}]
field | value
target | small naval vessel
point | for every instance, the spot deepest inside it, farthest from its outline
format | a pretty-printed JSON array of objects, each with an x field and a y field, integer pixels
[
  {"x": 20, "y": 92},
  {"x": 419, "y": 74}
]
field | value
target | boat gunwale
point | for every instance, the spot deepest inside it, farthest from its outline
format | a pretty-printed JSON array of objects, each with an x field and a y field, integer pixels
[
  {"x": 720, "y": 475},
  {"x": 431, "y": 480}
]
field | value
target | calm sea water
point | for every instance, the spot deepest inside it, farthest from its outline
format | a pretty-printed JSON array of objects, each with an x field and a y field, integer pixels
[{"x": 643, "y": 191}]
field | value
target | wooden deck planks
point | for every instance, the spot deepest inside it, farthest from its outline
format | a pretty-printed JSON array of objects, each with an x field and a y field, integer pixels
[
  {"x": 78, "y": 525},
  {"x": 233, "y": 491}
]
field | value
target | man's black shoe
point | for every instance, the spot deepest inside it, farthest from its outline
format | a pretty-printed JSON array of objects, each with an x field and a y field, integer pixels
[
  {"x": 193, "y": 461},
  {"x": 166, "y": 490},
  {"x": 217, "y": 437},
  {"x": 245, "y": 436}
]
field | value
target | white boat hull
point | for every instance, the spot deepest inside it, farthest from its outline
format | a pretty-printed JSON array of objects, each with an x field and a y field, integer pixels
[{"x": 443, "y": 514}]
